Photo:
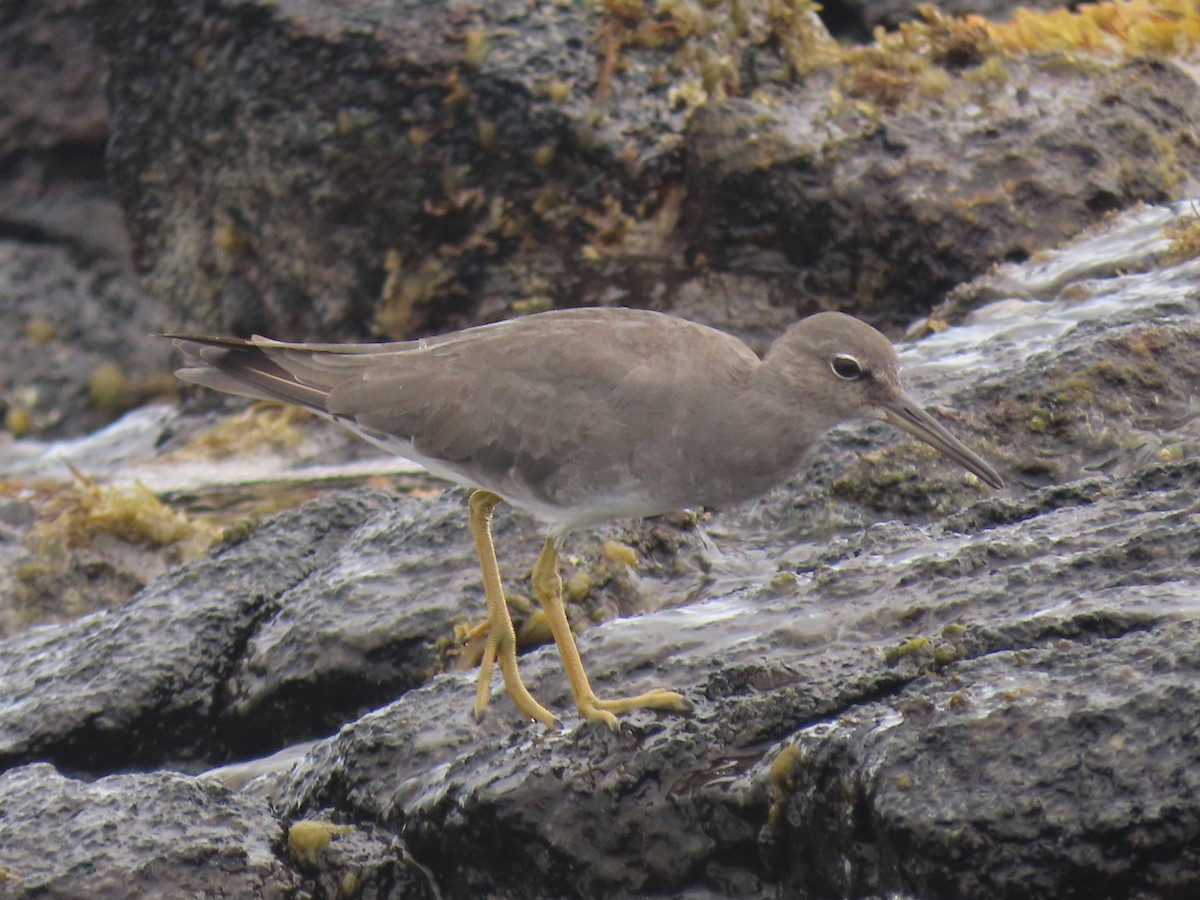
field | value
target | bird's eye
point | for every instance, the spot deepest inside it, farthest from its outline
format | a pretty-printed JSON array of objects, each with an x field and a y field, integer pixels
[{"x": 846, "y": 366}]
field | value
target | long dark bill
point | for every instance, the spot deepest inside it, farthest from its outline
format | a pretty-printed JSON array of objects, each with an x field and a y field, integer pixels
[{"x": 903, "y": 413}]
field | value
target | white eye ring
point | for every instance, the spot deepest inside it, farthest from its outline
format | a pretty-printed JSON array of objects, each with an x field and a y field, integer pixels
[{"x": 846, "y": 367}]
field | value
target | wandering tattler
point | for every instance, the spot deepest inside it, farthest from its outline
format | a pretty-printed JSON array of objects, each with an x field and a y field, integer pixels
[{"x": 582, "y": 416}]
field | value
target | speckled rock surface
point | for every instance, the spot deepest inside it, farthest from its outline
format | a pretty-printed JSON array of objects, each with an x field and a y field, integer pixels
[
  {"x": 904, "y": 685},
  {"x": 1047, "y": 771},
  {"x": 554, "y": 154},
  {"x": 961, "y": 696},
  {"x": 995, "y": 164},
  {"x": 146, "y": 685},
  {"x": 65, "y": 321},
  {"x": 847, "y": 714},
  {"x": 53, "y": 128},
  {"x": 146, "y": 835}
]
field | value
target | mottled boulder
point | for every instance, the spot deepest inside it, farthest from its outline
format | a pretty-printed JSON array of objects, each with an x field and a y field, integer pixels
[
  {"x": 981, "y": 708},
  {"x": 982, "y": 164},
  {"x": 319, "y": 169},
  {"x": 145, "y": 835},
  {"x": 148, "y": 684}
]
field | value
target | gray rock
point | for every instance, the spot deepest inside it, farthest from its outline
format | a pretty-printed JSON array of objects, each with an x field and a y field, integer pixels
[
  {"x": 791, "y": 182},
  {"x": 318, "y": 169},
  {"x": 325, "y": 135},
  {"x": 953, "y": 695},
  {"x": 53, "y": 129},
  {"x": 95, "y": 317},
  {"x": 985, "y": 630},
  {"x": 862, "y": 17},
  {"x": 368, "y": 624},
  {"x": 147, "y": 683},
  {"x": 146, "y": 835},
  {"x": 1064, "y": 769}
]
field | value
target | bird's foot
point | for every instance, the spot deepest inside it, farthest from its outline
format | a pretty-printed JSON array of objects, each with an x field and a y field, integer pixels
[
  {"x": 606, "y": 711},
  {"x": 500, "y": 650}
]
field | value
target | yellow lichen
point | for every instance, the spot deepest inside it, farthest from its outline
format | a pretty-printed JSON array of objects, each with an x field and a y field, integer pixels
[
  {"x": 308, "y": 837},
  {"x": 406, "y": 287},
  {"x": 1114, "y": 28},
  {"x": 616, "y": 552},
  {"x": 476, "y": 47},
  {"x": 578, "y": 586},
  {"x": 93, "y": 545},
  {"x": 39, "y": 330},
  {"x": 708, "y": 37},
  {"x": 558, "y": 90},
  {"x": 17, "y": 421},
  {"x": 229, "y": 239},
  {"x": 263, "y": 425},
  {"x": 131, "y": 513},
  {"x": 912, "y": 647},
  {"x": 544, "y": 155},
  {"x": 783, "y": 782},
  {"x": 945, "y": 653},
  {"x": 108, "y": 388},
  {"x": 534, "y": 631}
]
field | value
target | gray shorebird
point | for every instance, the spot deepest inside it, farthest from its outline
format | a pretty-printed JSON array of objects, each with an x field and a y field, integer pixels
[{"x": 583, "y": 416}]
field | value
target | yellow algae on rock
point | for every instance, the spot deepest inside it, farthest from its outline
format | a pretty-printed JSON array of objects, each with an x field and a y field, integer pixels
[
  {"x": 308, "y": 837},
  {"x": 263, "y": 425},
  {"x": 1117, "y": 27}
]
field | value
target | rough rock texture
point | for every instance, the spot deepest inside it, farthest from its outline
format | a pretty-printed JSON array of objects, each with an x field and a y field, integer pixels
[
  {"x": 53, "y": 128},
  {"x": 990, "y": 168},
  {"x": 945, "y": 711},
  {"x": 983, "y": 697},
  {"x": 307, "y": 169},
  {"x": 904, "y": 686},
  {"x": 153, "y": 835},
  {"x": 69, "y": 303},
  {"x": 862, "y": 17},
  {"x": 297, "y": 144},
  {"x": 147, "y": 684},
  {"x": 65, "y": 321},
  {"x": 1012, "y": 778}
]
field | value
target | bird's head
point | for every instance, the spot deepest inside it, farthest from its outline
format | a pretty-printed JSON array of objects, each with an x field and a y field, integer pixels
[{"x": 844, "y": 369}]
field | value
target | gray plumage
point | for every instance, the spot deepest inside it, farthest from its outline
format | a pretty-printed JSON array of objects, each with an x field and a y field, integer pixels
[{"x": 581, "y": 416}]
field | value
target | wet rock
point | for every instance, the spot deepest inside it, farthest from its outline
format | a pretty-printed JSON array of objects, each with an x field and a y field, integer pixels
[
  {"x": 152, "y": 835},
  {"x": 1030, "y": 633},
  {"x": 1111, "y": 397},
  {"x": 374, "y": 620},
  {"x": 987, "y": 629},
  {"x": 147, "y": 683},
  {"x": 994, "y": 162},
  {"x": 902, "y": 684},
  {"x": 1045, "y": 772}
]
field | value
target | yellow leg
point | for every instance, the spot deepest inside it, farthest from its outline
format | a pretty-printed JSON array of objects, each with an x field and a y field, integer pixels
[
  {"x": 501, "y": 644},
  {"x": 548, "y": 586}
]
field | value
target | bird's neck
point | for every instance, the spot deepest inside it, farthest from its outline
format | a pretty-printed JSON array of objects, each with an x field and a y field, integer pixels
[{"x": 758, "y": 441}]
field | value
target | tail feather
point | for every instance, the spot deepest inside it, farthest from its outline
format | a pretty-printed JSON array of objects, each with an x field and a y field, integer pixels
[{"x": 244, "y": 369}]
